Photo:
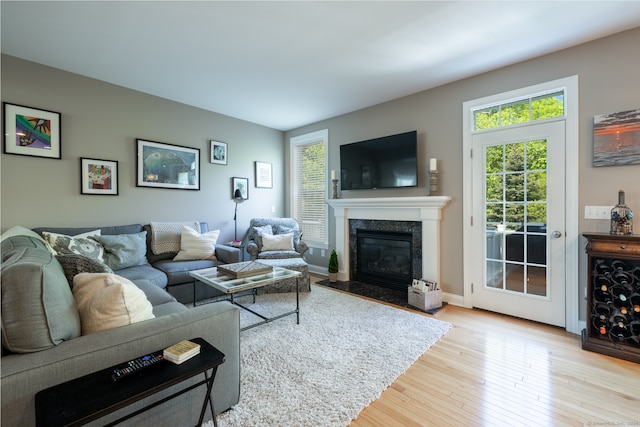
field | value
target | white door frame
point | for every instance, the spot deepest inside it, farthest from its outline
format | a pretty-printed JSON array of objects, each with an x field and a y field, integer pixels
[{"x": 572, "y": 239}]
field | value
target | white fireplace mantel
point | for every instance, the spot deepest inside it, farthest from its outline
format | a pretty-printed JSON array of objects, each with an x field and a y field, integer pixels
[{"x": 426, "y": 209}]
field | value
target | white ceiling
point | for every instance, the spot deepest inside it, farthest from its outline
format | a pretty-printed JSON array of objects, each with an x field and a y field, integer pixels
[{"x": 288, "y": 64}]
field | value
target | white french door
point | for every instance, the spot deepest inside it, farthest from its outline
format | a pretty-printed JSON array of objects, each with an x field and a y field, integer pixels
[{"x": 519, "y": 225}]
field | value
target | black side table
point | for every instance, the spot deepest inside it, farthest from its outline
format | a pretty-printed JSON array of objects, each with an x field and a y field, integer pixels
[{"x": 88, "y": 398}]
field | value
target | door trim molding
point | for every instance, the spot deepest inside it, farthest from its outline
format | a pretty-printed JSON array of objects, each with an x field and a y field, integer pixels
[{"x": 572, "y": 237}]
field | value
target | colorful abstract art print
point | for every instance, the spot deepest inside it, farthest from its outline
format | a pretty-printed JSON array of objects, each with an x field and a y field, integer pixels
[
  {"x": 616, "y": 139},
  {"x": 99, "y": 177},
  {"x": 31, "y": 131}
]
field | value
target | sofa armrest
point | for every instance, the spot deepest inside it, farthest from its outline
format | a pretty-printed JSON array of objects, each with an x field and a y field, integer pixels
[
  {"x": 301, "y": 248},
  {"x": 228, "y": 254},
  {"x": 23, "y": 375},
  {"x": 252, "y": 249}
]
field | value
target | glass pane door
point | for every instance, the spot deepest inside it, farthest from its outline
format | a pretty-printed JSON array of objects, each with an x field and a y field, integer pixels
[{"x": 516, "y": 217}]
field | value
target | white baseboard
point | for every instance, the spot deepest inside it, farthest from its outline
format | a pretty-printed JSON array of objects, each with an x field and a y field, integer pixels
[{"x": 453, "y": 299}]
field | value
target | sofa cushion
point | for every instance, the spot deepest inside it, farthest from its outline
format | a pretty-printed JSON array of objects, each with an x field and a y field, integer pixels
[
  {"x": 38, "y": 310},
  {"x": 106, "y": 301},
  {"x": 80, "y": 244},
  {"x": 75, "y": 264},
  {"x": 278, "y": 242},
  {"x": 178, "y": 271},
  {"x": 155, "y": 295},
  {"x": 194, "y": 245},
  {"x": 146, "y": 272},
  {"x": 124, "y": 250}
]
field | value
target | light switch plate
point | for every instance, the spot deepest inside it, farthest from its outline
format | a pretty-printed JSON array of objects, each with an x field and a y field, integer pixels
[{"x": 597, "y": 212}]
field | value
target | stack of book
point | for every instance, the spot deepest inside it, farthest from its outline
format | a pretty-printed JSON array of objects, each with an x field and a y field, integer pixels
[{"x": 181, "y": 352}]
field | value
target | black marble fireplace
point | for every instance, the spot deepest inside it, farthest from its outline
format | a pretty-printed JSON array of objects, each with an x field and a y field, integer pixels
[{"x": 385, "y": 253}]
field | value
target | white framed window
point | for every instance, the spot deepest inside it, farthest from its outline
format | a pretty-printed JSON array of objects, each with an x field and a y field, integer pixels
[{"x": 309, "y": 189}]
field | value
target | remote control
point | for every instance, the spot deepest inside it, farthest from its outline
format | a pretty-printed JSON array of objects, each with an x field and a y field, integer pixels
[{"x": 135, "y": 365}]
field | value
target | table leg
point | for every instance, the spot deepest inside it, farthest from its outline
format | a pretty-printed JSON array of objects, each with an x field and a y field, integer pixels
[
  {"x": 297, "y": 301},
  {"x": 208, "y": 398}
]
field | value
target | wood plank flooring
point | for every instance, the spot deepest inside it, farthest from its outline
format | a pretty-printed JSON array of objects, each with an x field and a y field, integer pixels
[{"x": 494, "y": 370}]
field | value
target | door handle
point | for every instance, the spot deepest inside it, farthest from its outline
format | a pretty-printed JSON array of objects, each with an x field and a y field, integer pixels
[{"x": 556, "y": 234}]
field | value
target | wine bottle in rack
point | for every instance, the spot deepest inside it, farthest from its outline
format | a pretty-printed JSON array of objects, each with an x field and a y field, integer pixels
[{"x": 601, "y": 289}]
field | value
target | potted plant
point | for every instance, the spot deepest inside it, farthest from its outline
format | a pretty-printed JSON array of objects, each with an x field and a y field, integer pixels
[{"x": 333, "y": 266}]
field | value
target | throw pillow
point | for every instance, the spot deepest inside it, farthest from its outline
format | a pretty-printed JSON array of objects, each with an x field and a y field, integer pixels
[
  {"x": 80, "y": 244},
  {"x": 278, "y": 242},
  {"x": 106, "y": 301},
  {"x": 124, "y": 250},
  {"x": 194, "y": 245},
  {"x": 297, "y": 233},
  {"x": 75, "y": 264},
  {"x": 166, "y": 236},
  {"x": 258, "y": 232}
]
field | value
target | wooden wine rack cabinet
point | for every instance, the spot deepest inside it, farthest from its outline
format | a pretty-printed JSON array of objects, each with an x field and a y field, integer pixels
[{"x": 613, "y": 296}]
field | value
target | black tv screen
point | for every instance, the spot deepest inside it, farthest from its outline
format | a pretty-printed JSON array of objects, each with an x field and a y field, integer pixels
[{"x": 387, "y": 162}]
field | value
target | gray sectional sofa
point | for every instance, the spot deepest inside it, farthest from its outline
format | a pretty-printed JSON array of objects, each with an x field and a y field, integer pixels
[{"x": 43, "y": 345}]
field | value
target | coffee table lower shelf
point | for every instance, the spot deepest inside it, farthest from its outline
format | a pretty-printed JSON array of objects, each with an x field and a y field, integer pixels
[{"x": 88, "y": 398}]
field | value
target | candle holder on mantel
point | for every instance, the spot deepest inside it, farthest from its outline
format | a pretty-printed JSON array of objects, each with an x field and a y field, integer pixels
[
  {"x": 335, "y": 188},
  {"x": 433, "y": 182}
]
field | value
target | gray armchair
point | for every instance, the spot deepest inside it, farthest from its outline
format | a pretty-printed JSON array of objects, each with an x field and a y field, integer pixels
[{"x": 275, "y": 245}]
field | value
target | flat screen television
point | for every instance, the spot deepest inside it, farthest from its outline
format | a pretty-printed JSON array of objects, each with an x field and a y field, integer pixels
[{"x": 386, "y": 162}]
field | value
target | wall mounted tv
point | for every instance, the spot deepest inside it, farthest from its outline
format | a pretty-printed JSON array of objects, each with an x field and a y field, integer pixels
[{"x": 387, "y": 162}]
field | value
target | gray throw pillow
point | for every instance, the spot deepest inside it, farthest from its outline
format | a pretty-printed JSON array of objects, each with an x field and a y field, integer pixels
[
  {"x": 124, "y": 250},
  {"x": 258, "y": 232},
  {"x": 297, "y": 233},
  {"x": 76, "y": 264}
]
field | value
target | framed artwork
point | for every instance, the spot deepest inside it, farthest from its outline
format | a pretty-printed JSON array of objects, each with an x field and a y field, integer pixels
[
  {"x": 219, "y": 152},
  {"x": 99, "y": 176},
  {"x": 616, "y": 139},
  {"x": 264, "y": 175},
  {"x": 241, "y": 184},
  {"x": 31, "y": 131},
  {"x": 161, "y": 165}
]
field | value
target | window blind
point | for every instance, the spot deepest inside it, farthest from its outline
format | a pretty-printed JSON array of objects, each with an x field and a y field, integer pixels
[{"x": 309, "y": 189}]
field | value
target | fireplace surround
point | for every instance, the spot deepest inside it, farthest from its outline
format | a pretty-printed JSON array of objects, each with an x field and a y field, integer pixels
[{"x": 427, "y": 210}]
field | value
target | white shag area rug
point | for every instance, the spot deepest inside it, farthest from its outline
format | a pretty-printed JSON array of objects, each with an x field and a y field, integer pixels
[{"x": 324, "y": 371}]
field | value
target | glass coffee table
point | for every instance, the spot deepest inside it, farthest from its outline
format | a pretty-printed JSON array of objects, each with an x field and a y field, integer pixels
[{"x": 230, "y": 285}]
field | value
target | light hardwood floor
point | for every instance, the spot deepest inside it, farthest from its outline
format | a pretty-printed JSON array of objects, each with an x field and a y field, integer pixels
[{"x": 494, "y": 370}]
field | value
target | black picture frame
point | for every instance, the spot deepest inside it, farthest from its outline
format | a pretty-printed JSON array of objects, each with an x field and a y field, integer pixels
[
  {"x": 162, "y": 165},
  {"x": 31, "y": 131},
  {"x": 219, "y": 153},
  {"x": 99, "y": 177},
  {"x": 241, "y": 184}
]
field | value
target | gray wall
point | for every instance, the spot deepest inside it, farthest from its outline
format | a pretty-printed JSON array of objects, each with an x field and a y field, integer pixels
[
  {"x": 609, "y": 82},
  {"x": 102, "y": 121}
]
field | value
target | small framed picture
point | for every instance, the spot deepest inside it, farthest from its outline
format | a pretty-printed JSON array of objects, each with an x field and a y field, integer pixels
[
  {"x": 241, "y": 185},
  {"x": 31, "y": 131},
  {"x": 161, "y": 165},
  {"x": 99, "y": 177},
  {"x": 218, "y": 152},
  {"x": 264, "y": 175}
]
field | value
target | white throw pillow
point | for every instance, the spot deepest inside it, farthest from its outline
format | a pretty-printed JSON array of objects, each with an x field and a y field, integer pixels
[
  {"x": 279, "y": 242},
  {"x": 194, "y": 245},
  {"x": 107, "y": 301}
]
